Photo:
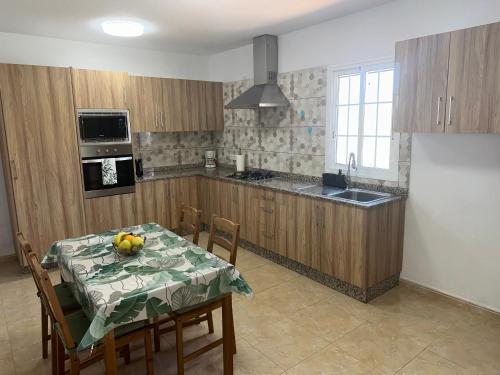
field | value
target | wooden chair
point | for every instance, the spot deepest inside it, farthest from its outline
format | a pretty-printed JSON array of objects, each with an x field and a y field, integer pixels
[
  {"x": 203, "y": 312},
  {"x": 64, "y": 295},
  {"x": 219, "y": 224},
  {"x": 190, "y": 223},
  {"x": 68, "y": 330}
]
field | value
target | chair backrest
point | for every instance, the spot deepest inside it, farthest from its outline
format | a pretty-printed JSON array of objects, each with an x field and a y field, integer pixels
[
  {"x": 52, "y": 303},
  {"x": 228, "y": 227},
  {"x": 28, "y": 253},
  {"x": 190, "y": 222}
]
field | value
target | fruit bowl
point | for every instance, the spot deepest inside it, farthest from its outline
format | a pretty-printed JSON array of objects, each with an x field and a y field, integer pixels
[{"x": 128, "y": 244}]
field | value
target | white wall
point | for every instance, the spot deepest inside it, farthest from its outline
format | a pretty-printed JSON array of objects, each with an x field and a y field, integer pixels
[
  {"x": 361, "y": 36},
  {"x": 452, "y": 236},
  {"x": 26, "y": 49}
]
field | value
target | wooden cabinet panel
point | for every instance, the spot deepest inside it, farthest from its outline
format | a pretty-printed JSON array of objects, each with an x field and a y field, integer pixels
[
  {"x": 152, "y": 199},
  {"x": 303, "y": 216},
  {"x": 318, "y": 232},
  {"x": 144, "y": 95},
  {"x": 252, "y": 208},
  {"x": 285, "y": 225},
  {"x": 214, "y": 104},
  {"x": 175, "y": 104},
  {"x": 474, "y": 81},
  {"x": 183, "y": 191},
  {"x": 111, "y": 212},
  {"x": 99, "y": 89},
  {"x": 421, "y": 71},
  {"x": 267, "y": 219},
  {"x": 42, "y": 150}
]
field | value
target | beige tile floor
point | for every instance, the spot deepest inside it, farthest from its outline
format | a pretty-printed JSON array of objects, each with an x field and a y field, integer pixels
[{"x": 292, "y": 326}]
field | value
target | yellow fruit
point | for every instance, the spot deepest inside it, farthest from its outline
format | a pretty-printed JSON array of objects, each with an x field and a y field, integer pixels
[
  {"x": 129, "y": 238},
  {"x": 137, "y": 242},
  {"x": 125, "y": 245},
  {"x": 119, "y": 238}
]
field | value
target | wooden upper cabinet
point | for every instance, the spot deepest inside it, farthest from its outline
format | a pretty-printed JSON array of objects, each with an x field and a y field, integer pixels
[
  {"x": 40, "y": 145},
  {"x": 145, "y": 99},
  {"x": 214, "y": 106},
  {"x": 474, "y": 81},
  {"x": 99, "y": 89},
  {"x": 420, "y": 96}
]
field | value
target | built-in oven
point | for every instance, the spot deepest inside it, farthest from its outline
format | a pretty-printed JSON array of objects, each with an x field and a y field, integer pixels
[
  {"x": 107, "y": 170},
  {"x": 99, "y": 126}
]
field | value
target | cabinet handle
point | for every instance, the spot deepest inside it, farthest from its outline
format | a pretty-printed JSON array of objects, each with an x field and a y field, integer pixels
[
  {"x": 14, "y": 169},
  {"x": 449, "y": 110},
  {"x": 267, "y": 211},
  {"x": 156, "y": 120},
  {"x": 267, "y": 235},
  {"x": 438, "y": 119},
  {"x": 161, "y": 119}
]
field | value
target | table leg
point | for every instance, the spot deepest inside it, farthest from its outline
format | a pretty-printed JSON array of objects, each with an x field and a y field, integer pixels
[
  {"x": 228, "y": 334},
  {"x": 110, "y": 353}
]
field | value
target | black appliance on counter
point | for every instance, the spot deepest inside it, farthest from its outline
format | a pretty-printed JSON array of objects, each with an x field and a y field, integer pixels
[
  {"x": 335, "y": 180},
  {"x": 252, "y": 175}
]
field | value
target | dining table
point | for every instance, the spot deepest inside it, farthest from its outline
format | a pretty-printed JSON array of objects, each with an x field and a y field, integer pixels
[{"x": 168, "y": 274}]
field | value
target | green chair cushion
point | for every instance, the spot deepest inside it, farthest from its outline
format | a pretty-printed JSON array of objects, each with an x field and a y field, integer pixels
[
  {"x": 66, "y": 298},
  {"x": 78, "y": 324}
]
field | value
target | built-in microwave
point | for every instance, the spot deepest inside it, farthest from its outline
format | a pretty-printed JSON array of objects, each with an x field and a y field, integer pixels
[{"x": 97, "y": 126}]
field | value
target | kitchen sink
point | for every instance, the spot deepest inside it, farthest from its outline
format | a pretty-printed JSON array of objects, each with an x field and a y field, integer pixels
[{"x": 360, "y": 195}]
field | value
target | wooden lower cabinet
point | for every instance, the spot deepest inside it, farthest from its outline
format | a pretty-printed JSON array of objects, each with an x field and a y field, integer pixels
[
  {"x": 183, "y": 191},
  {"x": 112, "y": 212},
  {"x": 152, "y": 202}
]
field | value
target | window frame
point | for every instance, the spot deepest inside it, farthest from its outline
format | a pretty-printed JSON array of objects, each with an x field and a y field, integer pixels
[{"x": 331, "y": 165}]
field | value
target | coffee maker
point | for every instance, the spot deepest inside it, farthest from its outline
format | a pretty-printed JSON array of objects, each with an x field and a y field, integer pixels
[{"x": 210, "y": 161}]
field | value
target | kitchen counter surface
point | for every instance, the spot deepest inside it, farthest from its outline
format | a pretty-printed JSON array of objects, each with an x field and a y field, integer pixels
[{"x": 289, "y": 184}]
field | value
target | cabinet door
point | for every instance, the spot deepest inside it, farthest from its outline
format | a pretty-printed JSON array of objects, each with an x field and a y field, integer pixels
[
  {"x": 144, "y": 95},
  {"x": 183, "y": 191},
  {"x": 152, "y": 200},
  {"x": 420, "y": 84},
  {"x": 175, "y": 104},
  {"x": 40, "y": 132},
  {"x": 252, "y": 208},
  {"x": 99, "y": 89},
  {"x": 474, "y": 81},
  {"x": 285, "y": 225},
  {"x": 318, "y": 232},
  {"x": 267, "y": 220},
  {"x": 214, "y": 105},
  {"x": 303, "y": 216},
  {"x": 112, "y": 212}
]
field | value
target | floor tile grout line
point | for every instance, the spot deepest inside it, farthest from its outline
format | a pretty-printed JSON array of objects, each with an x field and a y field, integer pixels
[
  {"x": 447, "y": 359},
  {"x": 410, "y": 360},
  {"x": 351, "y": 355}
]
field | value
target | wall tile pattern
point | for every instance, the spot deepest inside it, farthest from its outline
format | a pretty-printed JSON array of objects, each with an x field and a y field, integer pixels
[{"x": 290, "y": 139}]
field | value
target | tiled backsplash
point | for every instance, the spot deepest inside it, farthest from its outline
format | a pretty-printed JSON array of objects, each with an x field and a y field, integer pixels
[
  {"x": 171, "y": 149},
  {"x": 290, "y": 139}
]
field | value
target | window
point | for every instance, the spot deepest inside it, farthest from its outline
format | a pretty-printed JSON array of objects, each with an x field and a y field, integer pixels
[{"x": 360, "y": 121}]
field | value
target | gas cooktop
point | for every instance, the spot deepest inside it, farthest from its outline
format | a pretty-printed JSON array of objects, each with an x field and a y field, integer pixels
[{"x": 252, "y": 175}]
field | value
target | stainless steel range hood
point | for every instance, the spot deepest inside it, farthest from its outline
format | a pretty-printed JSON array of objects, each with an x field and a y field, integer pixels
[{"x": 265, "y": 92}]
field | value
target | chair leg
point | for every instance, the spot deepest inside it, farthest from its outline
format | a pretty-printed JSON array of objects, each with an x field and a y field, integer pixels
[
  {"x": 156, "y": 336},
  {"x": 75, "y": 365},
  {"x": 227, "y": 332},
  {"x": 45, "y": 333},
  {"x": 210, "y": 321},
  {"x": 125, "y": 353},
  {"x": 179, "y": 343},
  {"x": 150, "y": 370},
  {"x": 60, "y": 355},
  {"x": 53, "y": 350},
  {"x": 232, "y": 326}
]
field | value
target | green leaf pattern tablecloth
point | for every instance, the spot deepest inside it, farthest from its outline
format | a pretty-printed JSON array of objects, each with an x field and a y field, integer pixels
[{"x": 169, "y": 274}]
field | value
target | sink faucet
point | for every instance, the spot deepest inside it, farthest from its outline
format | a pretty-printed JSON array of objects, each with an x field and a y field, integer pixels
[{"x": 351, "y": 164}]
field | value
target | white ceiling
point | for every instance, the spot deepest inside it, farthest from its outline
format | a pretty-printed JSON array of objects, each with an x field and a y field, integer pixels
[{"x": 190, "y": 26}]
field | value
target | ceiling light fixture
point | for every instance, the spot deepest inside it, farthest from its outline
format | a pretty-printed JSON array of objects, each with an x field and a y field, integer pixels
[{"x": 122, "y": 28}]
